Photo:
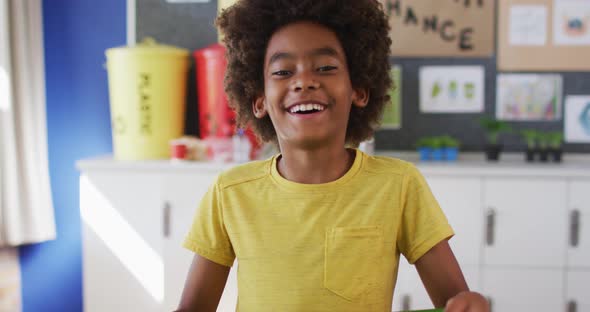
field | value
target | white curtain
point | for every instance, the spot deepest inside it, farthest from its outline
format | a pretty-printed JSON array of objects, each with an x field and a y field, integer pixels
[{"x": 26, "y": 207}]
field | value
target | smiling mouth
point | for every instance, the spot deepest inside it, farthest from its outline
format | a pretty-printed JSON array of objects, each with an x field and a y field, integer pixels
[{"x": 305, "y": 109}]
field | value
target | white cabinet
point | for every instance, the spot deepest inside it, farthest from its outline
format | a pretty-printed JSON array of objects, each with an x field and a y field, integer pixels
[
  {"x": 134, "y": 224},
  {"x": 578, "y": 252},
  {"x": 526, "y": 222},
  {"x": 182, "y": 192},
  {"x": 577, "y": 298},
  {"x": 525, "y": 247},
  {"x": 460, "y": 199},
  {"x": 524, "y": 289},
  {"x": 410, "y": 293},
  {"x": 122, "y": 241}
]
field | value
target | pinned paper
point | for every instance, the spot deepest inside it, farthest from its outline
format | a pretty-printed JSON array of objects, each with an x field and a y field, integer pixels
[
  {"x": 452, "y": 89},
  {"x": 392, "y": 113},
  {"x": 577, "y": 119},
  {"x": 528, "y": 25},
  {"x": 571, "y": 22},
  {"x": 529, "y": 97},
  {"x": 223, "y": 4}
]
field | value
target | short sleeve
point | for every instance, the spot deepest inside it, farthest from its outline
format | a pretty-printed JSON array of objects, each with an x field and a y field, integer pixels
[
  {"x": 208, "y": 236},
  {"x": 423, "y": 223}
]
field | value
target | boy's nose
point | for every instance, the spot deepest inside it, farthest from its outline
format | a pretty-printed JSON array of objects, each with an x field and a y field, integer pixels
[{"x": 305, "y": 82}]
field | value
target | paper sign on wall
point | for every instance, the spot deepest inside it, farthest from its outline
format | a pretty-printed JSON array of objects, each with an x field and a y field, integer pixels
[
  {"x": 441, "y": 27},
  {"x": 223, "y": 4},
  {"x": 571, "y": 22},
  {"x": 528, "y": 97},
  {"x": 577, "y": 119},
  {"x": 392, "y": 112},
  {"x": 528, "y": 25},
  {"x": 452, "y": 89}
]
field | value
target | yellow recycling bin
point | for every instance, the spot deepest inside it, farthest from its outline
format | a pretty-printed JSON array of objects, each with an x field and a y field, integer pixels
[{"x": 147, "y": 87}]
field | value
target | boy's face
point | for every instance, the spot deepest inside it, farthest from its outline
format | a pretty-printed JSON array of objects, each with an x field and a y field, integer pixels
[{"x": 307, "y": 89}]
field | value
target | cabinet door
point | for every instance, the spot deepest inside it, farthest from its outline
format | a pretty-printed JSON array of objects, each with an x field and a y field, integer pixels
[
  {"x": 525, "y": 222},
  {"x": 577, "y": 298},
  {"x": 579, "y": 224},
  {"x": 539, "y": 290},
  {"x": 182, "y": 193},
  {"x": 410, "y": 293},
  {"x": 122, "y": 251},
  {"x": 460, "y": 199}
]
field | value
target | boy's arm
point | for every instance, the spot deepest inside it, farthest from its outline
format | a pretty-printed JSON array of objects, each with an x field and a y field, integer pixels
[
  {"x": 443, "y": 280},
  {"x": 204, "y": 286}
]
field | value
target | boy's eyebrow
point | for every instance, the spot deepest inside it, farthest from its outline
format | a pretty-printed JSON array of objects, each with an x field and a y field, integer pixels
[{"x": 316, "y": 52}]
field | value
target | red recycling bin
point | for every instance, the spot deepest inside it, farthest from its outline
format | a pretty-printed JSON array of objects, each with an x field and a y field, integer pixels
[{"x": 216, "y": 118}]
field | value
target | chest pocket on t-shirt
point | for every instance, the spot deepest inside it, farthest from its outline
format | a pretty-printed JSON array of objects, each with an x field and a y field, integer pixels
[{"x": 352, "y": 260}]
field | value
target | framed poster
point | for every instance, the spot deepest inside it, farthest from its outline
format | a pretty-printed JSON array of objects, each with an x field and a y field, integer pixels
[
  {"x": 529, "y": 97},
  {"x": 392, "y": 112},
  {"x": 432, "y": 28},
  {"x": 452, "y": 89},
  {"x": 577, "y": 119}
]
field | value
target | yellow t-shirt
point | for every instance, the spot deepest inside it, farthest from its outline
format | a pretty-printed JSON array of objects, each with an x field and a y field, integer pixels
[{"x": 318, "y": 247}]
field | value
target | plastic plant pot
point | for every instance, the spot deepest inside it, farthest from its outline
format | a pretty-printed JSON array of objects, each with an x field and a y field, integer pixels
[
  {"x": 425, "y": 153},
  {"x": 451, "y": 153},
  {"x": 437, "y": 154}
]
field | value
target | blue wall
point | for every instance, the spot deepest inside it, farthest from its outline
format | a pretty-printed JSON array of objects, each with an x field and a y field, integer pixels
[{"x": 76, "y": 34}]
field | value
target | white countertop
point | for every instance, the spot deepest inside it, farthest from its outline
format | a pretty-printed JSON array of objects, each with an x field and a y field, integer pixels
[{"x": 469, "y": 164}]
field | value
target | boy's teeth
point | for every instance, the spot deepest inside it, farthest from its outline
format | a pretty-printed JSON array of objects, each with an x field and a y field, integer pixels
[{"x": 306, "y": 107}]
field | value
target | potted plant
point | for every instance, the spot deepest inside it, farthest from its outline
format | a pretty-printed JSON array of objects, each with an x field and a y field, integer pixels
[
  {"x": 450, "y": 147},
  {"x": 424, "y": 148},
  {"x": 437, "y": 148},
  {"x": 493, "y": 130},
  {"x": 530, "y": 137},
  {"x": 543, "y": 140},
  {"x": 555, "y": 145}
]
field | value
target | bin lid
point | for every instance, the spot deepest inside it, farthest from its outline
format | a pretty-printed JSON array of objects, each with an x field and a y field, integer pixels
[
  {"x": 215, "y": 50},
  {"x": 148, "y": 46}
]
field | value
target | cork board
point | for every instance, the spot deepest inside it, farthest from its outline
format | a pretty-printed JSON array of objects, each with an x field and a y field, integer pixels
[
  {"x": 441, "y": 28},
  {"x": 536, "y": 56}
]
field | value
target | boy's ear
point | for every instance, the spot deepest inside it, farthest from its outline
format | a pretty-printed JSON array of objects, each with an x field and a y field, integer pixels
[
  {"x": 259, "y": 108},
  {"x": 360, "y": 97}
]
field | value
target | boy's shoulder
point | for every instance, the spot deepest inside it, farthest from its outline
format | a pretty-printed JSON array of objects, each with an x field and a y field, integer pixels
[
  {"x": 389, "y": 165},
  {"x": 242, "y": 173}
]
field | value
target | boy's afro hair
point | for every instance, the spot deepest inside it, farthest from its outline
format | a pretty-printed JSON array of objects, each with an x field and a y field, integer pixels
[{"x": 360, "y": 25}]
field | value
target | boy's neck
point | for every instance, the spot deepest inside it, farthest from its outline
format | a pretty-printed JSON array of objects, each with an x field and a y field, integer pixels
[{"x": 321, "y": 165}]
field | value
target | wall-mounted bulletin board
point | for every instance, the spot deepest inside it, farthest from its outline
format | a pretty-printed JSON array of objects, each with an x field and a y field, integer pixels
[
  {"x": 456, "y": 28},
  {"x": 544, "y": 35},
  {"x": 420, "y": 53}
]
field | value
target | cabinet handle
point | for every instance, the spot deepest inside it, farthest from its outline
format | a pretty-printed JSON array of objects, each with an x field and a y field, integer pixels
[
  {"x": 490, "y": 226},
  {"x": 574, "y": 228},
  {"x": 572, "y": 306},
  {"x": 166, "y": 219},
  {"x": 406, "y": 302}
]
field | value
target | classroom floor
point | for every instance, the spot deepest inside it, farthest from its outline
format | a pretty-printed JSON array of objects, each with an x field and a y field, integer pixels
[{"x": 10, "y": 296}]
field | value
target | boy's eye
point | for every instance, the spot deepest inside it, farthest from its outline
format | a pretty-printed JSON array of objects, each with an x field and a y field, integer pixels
[
  {"x": 327, "y": 68},
  {"x": 281, "y": 73}
]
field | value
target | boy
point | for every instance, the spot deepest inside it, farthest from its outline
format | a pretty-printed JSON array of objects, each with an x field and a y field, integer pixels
[{"x": 319, "y": 227}]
